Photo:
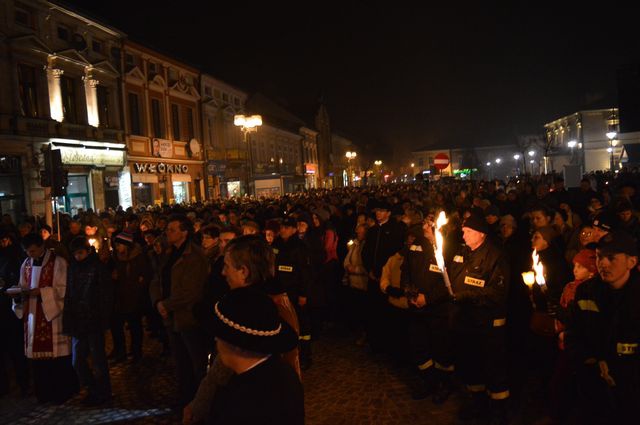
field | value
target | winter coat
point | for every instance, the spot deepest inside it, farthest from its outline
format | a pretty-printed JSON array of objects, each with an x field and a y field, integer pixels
[
  {"x": 133, "y": 274},
  {"x": 88, "y": 300},
  {"x": 357, "y": 279}
]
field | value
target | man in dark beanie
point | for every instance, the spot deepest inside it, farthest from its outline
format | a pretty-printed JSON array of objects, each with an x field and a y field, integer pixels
[
  {"x": 603, "y": 334},
  {"x": 249, "y": 337},
  {"x": 479, "y": 276},
  {"x": 87, "y": 310}
]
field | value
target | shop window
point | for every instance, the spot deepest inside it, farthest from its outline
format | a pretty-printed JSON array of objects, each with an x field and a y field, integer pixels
[
  {"x": 134, "y": 114},
  {"x": 175, "y": 121},
  {"x": 180, "y": 192},
  {"x": 28, "y": 91},
  {"x": 69, "y": 99},
  {"x": 156, "y": 116},
  {"x": 104, "y": 110}
]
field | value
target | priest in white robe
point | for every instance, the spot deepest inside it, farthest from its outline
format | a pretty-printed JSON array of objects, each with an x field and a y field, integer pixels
[{"x": 39, "y": 302}]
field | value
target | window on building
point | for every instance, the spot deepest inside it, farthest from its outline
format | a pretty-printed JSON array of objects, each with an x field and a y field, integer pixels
[
  {"x": 173, "y": 75},
  {"x": 225, "y": 97},
  {"x": 69, "y": 99},
  {"x": 175, "y": 121},
  {"x": 96, "y": 46},
  {"x": 153, "y": 68},
  {"x": 236, "y": 101},
  {"x": 63, "y": 33},
  {"x": 28, "y": 91},
  {"x": 156, "y": 116},
  {"x": 104, "y": 108},
  {"x": 216, "y": 93},
  {"x": 23, "y": 16},
  {"x": 207, "y": 91},
  {"x": 134, "y": 114},
  {"x": 191, "y": 132}
]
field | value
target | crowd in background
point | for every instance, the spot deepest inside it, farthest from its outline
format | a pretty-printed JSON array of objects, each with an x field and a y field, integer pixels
[{"x": 352, "y": 257}]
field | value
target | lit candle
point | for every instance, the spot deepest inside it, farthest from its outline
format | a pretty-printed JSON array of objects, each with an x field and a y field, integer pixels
[{"x": 538, "y": 269}]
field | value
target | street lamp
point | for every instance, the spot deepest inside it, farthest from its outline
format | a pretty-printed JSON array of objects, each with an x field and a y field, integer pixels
[
  {"x": 350, "y": 156},
  {"x": 498, "y": 160},
  {"x": 248, "y": 124},
  {"x": 611, "y": 135},
  {"x": 516, "y": 157},
  {"x": 378, "y": 163}
]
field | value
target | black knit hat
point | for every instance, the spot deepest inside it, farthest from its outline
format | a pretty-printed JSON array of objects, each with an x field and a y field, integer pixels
[
  {"x": 247, "y": 318},
  {"x": 618, "y": 242},
  {"x": 476, "y": 222},
  {"x": 604, "y": 221}
]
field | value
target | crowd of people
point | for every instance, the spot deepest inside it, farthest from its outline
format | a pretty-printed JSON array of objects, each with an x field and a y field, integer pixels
[{"x": 237, "y": 291}]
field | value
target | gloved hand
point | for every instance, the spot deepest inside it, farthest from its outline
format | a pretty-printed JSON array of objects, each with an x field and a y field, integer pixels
[{"x": 392, "y": 291}]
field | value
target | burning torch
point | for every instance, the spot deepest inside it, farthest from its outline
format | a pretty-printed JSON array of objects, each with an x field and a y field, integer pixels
[{"x": 439, "y": 249}]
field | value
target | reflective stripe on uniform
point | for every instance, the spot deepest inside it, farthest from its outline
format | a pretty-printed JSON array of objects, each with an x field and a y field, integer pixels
[
  {"x": 426, "y": 365},
  {"x": 625, "y": 349},
  {"x": 304, "y": 338},
  {"x": 476, "y": 388},
  {"x": 502, "y": 395},
  {"x": 588, "y": 305},
  {"x": 445, "y": 368},
  {"x": 499, "y": 322}
]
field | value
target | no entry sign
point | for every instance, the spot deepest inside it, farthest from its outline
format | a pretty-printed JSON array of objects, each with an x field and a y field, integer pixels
[{"x": 441, "y": 161}]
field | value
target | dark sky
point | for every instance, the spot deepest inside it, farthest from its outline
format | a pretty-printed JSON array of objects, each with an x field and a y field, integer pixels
[{"x": 394, "y": 74}]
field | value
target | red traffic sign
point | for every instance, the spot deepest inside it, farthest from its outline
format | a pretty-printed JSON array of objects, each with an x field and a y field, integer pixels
[{"x": 441, "y": 161}]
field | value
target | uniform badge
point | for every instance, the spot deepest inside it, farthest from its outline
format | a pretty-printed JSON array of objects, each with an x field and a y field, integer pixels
[
  {"x": 458, "y": 259},
  {"x": 434, "y": 268},
  {"x": 474, "y": 282},
  {"x": 285, "y": 268}
]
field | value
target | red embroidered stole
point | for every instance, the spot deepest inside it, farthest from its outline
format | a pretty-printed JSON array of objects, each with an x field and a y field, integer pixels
[{"x": 43, "y": 329}]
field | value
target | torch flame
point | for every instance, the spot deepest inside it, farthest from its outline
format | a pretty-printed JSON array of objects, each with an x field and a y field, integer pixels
[
  {"x": 441, "y": 221},
  {"x": 538, "y": 268}
]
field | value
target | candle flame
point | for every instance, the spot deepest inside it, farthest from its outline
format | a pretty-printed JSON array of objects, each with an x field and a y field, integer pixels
[
  {"x": 529, "y": 278},
  {"x": 350, "y": 242},
  {"x": 538, "y": 268},
  {"x": 441, "y": 221}
]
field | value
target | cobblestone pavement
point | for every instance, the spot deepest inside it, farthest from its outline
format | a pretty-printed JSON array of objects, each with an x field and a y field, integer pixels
[{"x": 346, "y": 385}]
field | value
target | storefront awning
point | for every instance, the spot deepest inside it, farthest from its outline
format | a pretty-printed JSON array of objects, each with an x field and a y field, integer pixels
[
  {"x": 143, "y": 178},
  {"x": 180, "y": 178}
]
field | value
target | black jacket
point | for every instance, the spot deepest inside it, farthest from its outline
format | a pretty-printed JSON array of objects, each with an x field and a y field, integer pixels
[
  {"x": 420, "y": 269},
  {"x": 293, "y": 266},
  {"x": 480, "y": 280},
  {"x": 88, "y": 299},
  {"x": 270, "y": 393},
  {"x": 381, "y": 243}
]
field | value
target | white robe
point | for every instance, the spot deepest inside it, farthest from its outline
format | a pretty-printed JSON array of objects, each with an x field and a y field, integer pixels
[{"x": 52, "y": 304}]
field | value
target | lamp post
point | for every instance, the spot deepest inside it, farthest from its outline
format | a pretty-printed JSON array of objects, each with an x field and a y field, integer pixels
[
  {"x": 489, "y": 168},
  {"x": 413, "y": 171},
  {"x": 248, "y": 124},
  {"x": 378, "y": 164},
  {"x": 350, "y": 155},
  {"x": 611, "y": 135},
  {"x": 531, "y": 154},
  {"x": 516, "y": 157}
]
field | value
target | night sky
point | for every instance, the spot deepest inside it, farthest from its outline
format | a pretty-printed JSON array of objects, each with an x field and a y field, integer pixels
[{"x": 399, "y": 75}]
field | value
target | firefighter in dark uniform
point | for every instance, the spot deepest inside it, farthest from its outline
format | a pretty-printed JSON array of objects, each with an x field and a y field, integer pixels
[
  {"x": 479, "y": 276},
  {"x": 429, "y": 308},
  {"x": 603, "y": 334},
  {"x": 293, "y": 270}
]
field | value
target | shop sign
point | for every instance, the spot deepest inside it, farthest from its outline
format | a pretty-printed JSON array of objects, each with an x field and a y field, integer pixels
[
  {"x": 161, "y": 168},
  {"x": 112, "y": 181},
  {"x": 310, "y": 168},
  {"x": 88, "y": 156}
]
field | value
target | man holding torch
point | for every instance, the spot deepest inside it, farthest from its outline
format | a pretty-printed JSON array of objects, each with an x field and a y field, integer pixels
[
  {"x": 429, "y": 308},
  {"x": 479, "y": 276}
]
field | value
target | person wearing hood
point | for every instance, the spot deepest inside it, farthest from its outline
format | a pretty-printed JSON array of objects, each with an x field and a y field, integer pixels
[
  {"x": 88, "y": 303},
  {"x": 132, "y": 275}
]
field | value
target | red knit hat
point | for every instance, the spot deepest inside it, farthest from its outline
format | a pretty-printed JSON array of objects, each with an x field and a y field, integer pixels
[{"x": 587, "y": 259}]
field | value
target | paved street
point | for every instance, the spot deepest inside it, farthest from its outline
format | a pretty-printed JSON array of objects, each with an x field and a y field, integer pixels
[{"x": 346, "y": 385}]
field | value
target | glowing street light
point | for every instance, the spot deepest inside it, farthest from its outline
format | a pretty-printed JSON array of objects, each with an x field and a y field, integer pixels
[
  {"x": 611, "y": 135},
  {"x": 248, "y": 124},
  {"x": 349, "y": 155},
  {"x": 532, "y": 153},
  {"x": 498, "y": 160},
  {"x": 572, "y": 144}
]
